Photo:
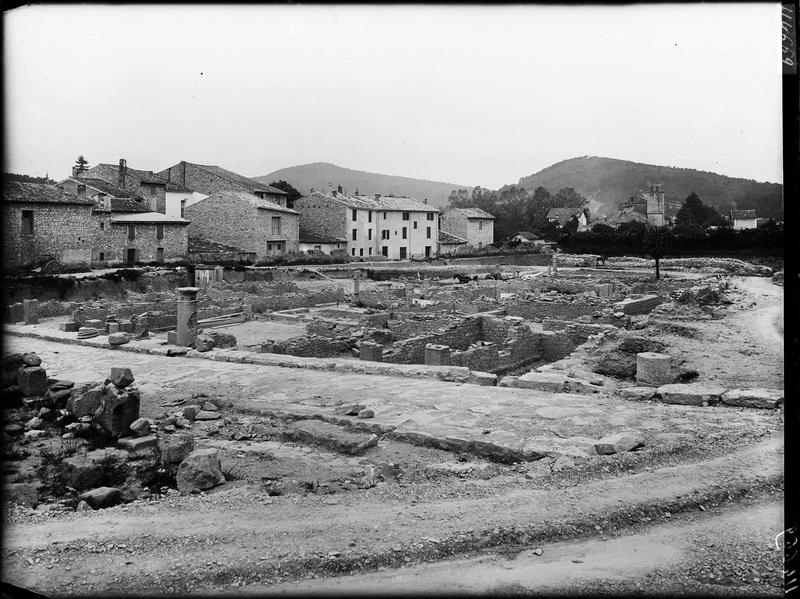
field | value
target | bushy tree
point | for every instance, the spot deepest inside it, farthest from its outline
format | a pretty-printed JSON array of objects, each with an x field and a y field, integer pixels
[
  {"x": 694, "y": 212},
  {"x": 567, "y": 197},
  {"x": 289, "y": 189},
  {"x": 657, "y": 241},
  {"x": 81, "y": 164}
]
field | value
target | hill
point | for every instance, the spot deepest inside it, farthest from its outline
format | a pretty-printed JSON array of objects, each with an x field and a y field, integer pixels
[
  {"x": 324, "y": 176},
  {"x": 607, "y": 181}
]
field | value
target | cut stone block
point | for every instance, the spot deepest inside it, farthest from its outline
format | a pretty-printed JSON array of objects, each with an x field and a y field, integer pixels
[
  {"x": 95, "y": 323},
  {"x": 349, "y": 409},
  {"x": 117, "y": 411},
  {"x": 487, "y": 379},
  {"x": 85, "y": 404},
  {"x": 639, "y": 305},
  {"x": 690, "y": 394},
  {"x": 371, "y": 352},
  {"x": 126, "y": 326},
  {"x": 653, "y": 368},
  {"x": 330, "y": 435},
  {"x": 81, "y": 472},
  {"x": 172, "y": 337},
  {"x": 207, "y": 415},
  {"x": 32, "y": 380},
  {"x": 753, "y": 398},
  {"x": 121, "y": 377},
  {"x": 112, "y": 327},
  {"x": 118, "y": 338},
  {"x": 637, "y": 393},
  {"x": 139, "y": 446},
  {"x": 176, "y": 447},
  {"x": 437, "y": 355},
  {"x": 618, "y": 443},
  {"x": 140, "y": 427},
  {"x": 200, "y": 470}
]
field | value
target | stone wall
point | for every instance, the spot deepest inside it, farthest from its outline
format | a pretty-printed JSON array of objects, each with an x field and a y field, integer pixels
[
  {"x": 555, "y": 345},
  {"x": 323, "y": 215},
  {"x": 536, "y": 309},
  {"x": 62, "y": 232},
  {"x": 111, "y": 242},
  {"x": 457, "y": 336},
  {"x": 328, "y": 327},
  {"x": 314, "y": 346}
]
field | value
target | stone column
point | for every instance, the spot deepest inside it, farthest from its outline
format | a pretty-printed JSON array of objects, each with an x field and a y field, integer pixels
[
  {"x": 355, "y": 285},
  {"x": 30, "y": 310},
  {"x": 555, "y": 263},
  {"x": 187, "y": 316}
]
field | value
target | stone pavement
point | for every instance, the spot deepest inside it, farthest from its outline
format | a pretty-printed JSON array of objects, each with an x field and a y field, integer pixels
[{"x": 492, "y": 421}]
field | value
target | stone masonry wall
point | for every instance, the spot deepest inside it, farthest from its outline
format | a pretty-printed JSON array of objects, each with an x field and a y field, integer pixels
[
  {"x": 323, "y": 215},
  {"x": 63, "y": 231},
  {"x": 458, "y": 336},
  {"x": 112, "y": 241}
]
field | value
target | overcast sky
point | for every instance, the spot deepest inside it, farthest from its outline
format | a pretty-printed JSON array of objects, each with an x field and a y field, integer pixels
[{"x": 474, "y": 95}]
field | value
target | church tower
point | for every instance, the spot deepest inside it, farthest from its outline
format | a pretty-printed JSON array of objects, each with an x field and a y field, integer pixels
[{"x": 655, "y": 204}]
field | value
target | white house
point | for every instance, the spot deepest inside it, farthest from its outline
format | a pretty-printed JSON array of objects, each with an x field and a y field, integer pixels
[{"x": 744, "y": 219}]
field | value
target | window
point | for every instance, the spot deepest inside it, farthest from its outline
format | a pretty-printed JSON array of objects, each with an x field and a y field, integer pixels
[
  {"x": 370, "y": 251},
  {"x": 427, "y": 251},
  {"x": 403, "y": 253},
  {"x": 160, "y": 255},
  {"x": 385, "y": 250},
  {"x": 159, "y": 231},
  {"x": 183, "y": 208},
  {"x": 276, "y": 225},
  {"x": 415, "y": 224},
  {"x": 27, "y": 222},
  {"x": 355, "y": 234},
  {"x": 385, "y": 234},
  {"x": 269, "y": 247},
  {"x": 369, "y": 217},
  {"x": 480, "y": 225},
  {"x": 428, "y": 232},
  {"x": 131, "y": 231},
  {"x": 405, "y": 232},
  {"x": 353, "y": 251},
  {"x": 361, "y": 252},
  {"x": 355, "y": 214},
  {"x": 406, "y": 216},
  {"x": 384, "y": 216},
  {"x": 102, "y": 225},
  {"x": 102, "y": 257},
  {"x": 369, "y": 234},
  {"x": 430, "y": 215}
]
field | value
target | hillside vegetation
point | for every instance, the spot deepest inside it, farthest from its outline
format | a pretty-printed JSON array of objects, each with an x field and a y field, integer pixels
[
  {"x": 324, "y": 176},
  {"x": 607, "y": 181}
]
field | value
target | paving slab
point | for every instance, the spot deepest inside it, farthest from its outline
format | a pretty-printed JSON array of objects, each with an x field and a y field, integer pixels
[{"x": 570, "y": 424}]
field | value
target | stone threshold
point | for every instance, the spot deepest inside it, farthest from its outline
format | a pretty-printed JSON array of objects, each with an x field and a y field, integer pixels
[{"x": 452, "y": 374}]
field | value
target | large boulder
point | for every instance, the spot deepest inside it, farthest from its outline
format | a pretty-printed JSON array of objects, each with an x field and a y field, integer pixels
[
  {"x": 753, "y": 398},
  {"x": 176, "y": 447},
  {"x": 32, "y": 380},
  {"x": 86, "y": 403},
  {"x": 690, "y": 394},
  {"x": 121, "y": 377},
  {"x": 102, "y": 497},
  {"x": 200, "y": 470},
  {"x": 119, "y": 408}
]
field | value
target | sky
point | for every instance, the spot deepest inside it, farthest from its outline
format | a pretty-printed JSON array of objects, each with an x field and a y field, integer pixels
[{"x": 470, "y": 95}]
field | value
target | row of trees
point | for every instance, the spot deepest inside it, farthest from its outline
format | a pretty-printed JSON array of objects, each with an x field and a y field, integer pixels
[{"x": 517, "y": 209}]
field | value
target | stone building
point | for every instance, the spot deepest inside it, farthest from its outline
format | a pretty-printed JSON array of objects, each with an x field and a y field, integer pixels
[
  {"x": 450, "y": 244},
  {"x": 397, "y": 228},
  {"x": 245, "y": 221},
  {"x": 207, "y": 179},
  {"x": 563, "y": 215},
  {"x": 645, "y": 207},
  {"x": 43, "y": 223},
  {"x": 744, "y": 219},
  {"x": 100, "y": 192},
  {"x": 312, "y": 242},
  {"x": 474, "y": 225}
]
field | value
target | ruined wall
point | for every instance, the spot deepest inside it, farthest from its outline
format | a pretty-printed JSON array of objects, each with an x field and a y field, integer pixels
[
  {"x": 457, "y": 336},
  {"x": 555, "y": 345},
  {"x": 313, "y": 346},
  {"x": 537, "y": 309}
]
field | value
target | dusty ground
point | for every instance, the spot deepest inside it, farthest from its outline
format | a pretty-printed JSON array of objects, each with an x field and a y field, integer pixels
[{"x": 697, "y": 510}]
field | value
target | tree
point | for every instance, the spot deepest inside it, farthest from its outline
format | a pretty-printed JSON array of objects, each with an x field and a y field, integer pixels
[
  {"x": 567, "y": 197},
  {"x": 289, "y": 189},
  {"x": 657, "y": 241},
  {"x": 81, "y": 164},
  {"x": 694, "y": 212}
]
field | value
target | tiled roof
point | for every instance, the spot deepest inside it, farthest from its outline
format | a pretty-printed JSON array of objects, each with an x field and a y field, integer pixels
[
  {"x": 473, "y": 212},
  {"x": 743, "y": 214},
  {"x": 104, "y": 187},
  {"x": 149, "y": 177},
  {"x": 254, "y": 200},
  {"x": 149, "y": 217},
  {"x": 564, "y": 212},
  {"x": 307, "y": 236},
  {"x": 404, "y": 205},
  {"x": 450, "y": 239},
  {"x": 383, "y": 203},
  {"x": 527, "y": 235},
  {"x": 199, "y": 245},
  {"x": 237, "y": 178},
  {"x": 125, "y": 205},
  {"x": 17, "y": 191}
]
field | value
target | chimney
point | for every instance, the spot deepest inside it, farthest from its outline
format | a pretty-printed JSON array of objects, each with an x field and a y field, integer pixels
[
  {"x": 123, "y": 170},
  {"x": 106, "y": 199},
  {"x": 334, "y": 193},
  {"x": 425, "y": 201},
  {"x": 377, "y": 196},
  {"x": 81, "y": 191}
]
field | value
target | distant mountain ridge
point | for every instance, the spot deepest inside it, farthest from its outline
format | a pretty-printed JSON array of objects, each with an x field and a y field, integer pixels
[
  {"x": 607, "y": 181},
  {"x": 323, "y": 176}
]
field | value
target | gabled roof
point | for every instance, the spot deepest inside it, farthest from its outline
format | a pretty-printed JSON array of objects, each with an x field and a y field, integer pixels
[
  {"x": 743, "y": 214},
  {"x": 308, "y": 236},
  {"x": 527, "y": 235},
  {"x": 148, "y": 218},
  {"x": 224, "y": 173},
  {"x": 472, "y": 212},
  {"x": 383, "y": 203},
  {"x": 403, "y": 205},
  {"x": 39, "y": 193},
  {"x": 450, "y": 239},
  {"x": 124, "y": 205},
  {"x": 252, "y": 200},
  {"x": 562, "y": 215},
  {"x": 103, "y": 187},
  {"x": 146, "y": 177},
  {"x": 361, "y": 202}
]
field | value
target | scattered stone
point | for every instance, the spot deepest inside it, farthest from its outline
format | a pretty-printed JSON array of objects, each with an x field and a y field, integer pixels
[
  {"x": 200, "y": 470},
  {"x": 618, "y": 443},
  {"x": 366, "y": 413},
  {"x": 102, "y": 497},
  {"x": 118, "y": 410},
  {"x": 563, "y": 463},
  {"x": 182, "y": 423},
  {"x": 61, "y": 385},
  {"x": 349, "y": 409},
  {"x": 690, "y": 394},
  {"x": 204, "y": 343},
  {"x": 330, "y": 435},
  {"x": 34, "y": 423},
  {"x": 140, "y": 427},
  {"x": 58, "y": 399},
  {"x": 34, "y": 434},
  {"x": 210, "y": 407},
  {"x": 207, "y": 415},
  {"x": 118, "y": 338},
  {"x": 176, "y": 448},
  {"x": 121, "y": 377},
  {"x": 190, "y": 412},
  {"x": 176, "y": 351},
  {"x": 22, "y": 494},
  {"x": 537, "y": 551},
  {"x": 82, "y": 506},
  {"x": 31, "y": 359},
  {"x": 753, "y": 398},
  {"x": 636, "y": 393},
  {"x": 85, "y": 404},
  {"x": 81, "y": 472}
]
